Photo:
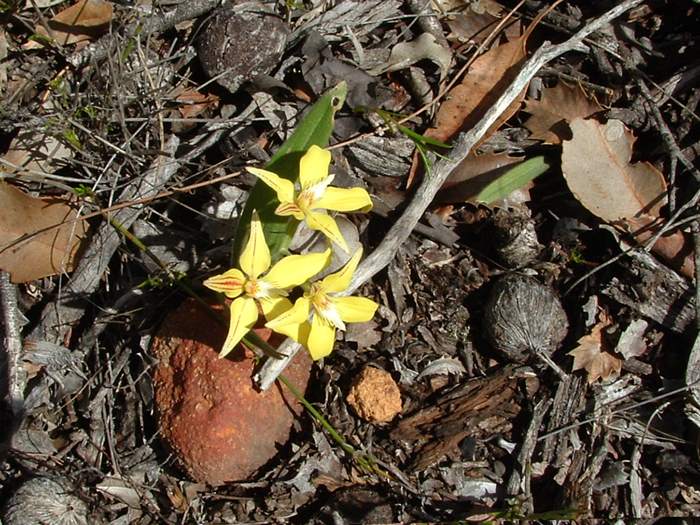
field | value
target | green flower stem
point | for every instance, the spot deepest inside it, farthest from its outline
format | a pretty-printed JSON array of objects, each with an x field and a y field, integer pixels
[
  {"x": 365, "y": 461},
  {"x": 251, "y": 339}
]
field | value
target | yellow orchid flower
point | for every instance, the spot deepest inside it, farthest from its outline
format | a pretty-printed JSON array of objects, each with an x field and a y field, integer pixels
[
  {"x": 315, "y": 195},
  {"x": 327, "y": 309},
  {"x": 249, "y": 287}
]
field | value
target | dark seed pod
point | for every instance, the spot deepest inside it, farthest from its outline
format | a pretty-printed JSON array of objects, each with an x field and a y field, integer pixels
[
  {"x": 524, "y": 318},
  {"x": 45, "y": 501},
  {"x": 514, "y": 237},
  {"x": 240, "y": 42}
]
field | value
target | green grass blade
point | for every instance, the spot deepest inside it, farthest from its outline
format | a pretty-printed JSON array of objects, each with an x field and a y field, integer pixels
[{"x": 515, "y": 178}]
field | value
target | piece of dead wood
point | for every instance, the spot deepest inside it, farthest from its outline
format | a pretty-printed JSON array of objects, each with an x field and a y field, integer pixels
[
  {"x": 477, "y": 408},
  {"x": 520, "y": 479},
  {"x": 654, "y": 291},
  {"x": 569, "y": 402}
]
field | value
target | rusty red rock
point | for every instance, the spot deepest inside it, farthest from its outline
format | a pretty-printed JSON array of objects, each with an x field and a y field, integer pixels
[{"x": 209, "y": 413}]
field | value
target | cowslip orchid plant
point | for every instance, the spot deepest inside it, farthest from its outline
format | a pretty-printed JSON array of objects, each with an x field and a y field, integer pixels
[
  {"x": 314, "y": 195},
  {"x": 322, "y": 309}
]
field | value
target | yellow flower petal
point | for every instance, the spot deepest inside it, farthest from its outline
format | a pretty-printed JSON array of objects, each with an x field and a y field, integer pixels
[
  {"x": 344, "y": 199},
  {"x": 293, "y": 322},
  {"x": 244, "y": 313},
  {"x": 255, "y": 258},
  {"x": 313, "y": 167},
  {"x": 298, "y": 332},
  {"x": 283, "y": 188},
  {"x": 340, "y": 280},
  {"x": 274, "y": 306},
  {"x": 326, "y": 225},
  {"x": 321, "y": 338},
  {"x": 230, "y": 283},
  {"x": 355, "y": 309},
  {"x": 295, "y": 270}
]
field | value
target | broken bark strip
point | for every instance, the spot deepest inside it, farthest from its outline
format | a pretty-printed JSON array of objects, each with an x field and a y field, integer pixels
[
  {"x": 13, "y": 377},
  {"x": 480, "y": 407},
  {"x": 654, "y": 291}
]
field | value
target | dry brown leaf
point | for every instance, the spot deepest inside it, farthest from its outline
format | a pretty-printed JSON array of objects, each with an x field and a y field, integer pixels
[
  {"x": 483, "y": 83},
  {"x": 83, "y": 21},
  {"x": 556, "y": 108},
  {"x": 193, "y": 103},
  {"x": 473, "y": 174},
  {"x": 590, "y": 356},
  {"x": 474, "y": 22},
  {"x": 46, "y": 253},
  {"x": 597, "y": 169}
]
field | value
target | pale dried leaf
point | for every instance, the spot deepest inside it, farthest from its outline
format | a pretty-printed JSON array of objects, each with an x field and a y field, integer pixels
[
  {"x": 556, "y": 108},
  {"x": 46, "y": 250},
  {"x": 597, "y": 169},
  {"x": 590, "y": 356},
  {"x": 405, "y": 54},
  {"x": 631, "y": 342},
  {"x": 85, "y": 20},
  {"x": 34, "y": 152}
]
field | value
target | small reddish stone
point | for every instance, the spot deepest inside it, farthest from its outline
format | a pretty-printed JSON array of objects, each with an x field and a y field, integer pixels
[
  {"x": 209, "y": 413},
  {"x": 375, "y": 396}
]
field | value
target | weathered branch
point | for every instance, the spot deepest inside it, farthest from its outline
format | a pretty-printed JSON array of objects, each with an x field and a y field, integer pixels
[{"x": 425, "y": 194}]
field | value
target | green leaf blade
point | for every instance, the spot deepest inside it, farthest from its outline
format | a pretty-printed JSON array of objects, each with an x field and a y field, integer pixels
[{"x": 315, "y": 129}]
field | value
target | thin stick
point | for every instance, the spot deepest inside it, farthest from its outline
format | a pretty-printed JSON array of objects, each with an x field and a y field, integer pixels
[
  {"x": 11, "y": 347},
  {"x": 425, "y": 193}
]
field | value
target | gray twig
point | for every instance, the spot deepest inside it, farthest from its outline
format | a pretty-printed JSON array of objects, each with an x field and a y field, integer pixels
[
  {"x": 10, "y": 368},
  {"x": 425, "y": 194},
  {"x": 58, "y": 317},
  {"x": 155, "y": 23}
]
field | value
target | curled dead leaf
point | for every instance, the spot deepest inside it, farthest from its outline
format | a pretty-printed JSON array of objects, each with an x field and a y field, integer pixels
[
  {"x": 46, "y": 250},
  {"x": 559, "y": 105},
  {"x": 591, "y": 356}
]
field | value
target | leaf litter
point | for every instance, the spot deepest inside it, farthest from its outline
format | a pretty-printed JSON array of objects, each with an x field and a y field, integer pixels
[{"x": 477, "y": 433}]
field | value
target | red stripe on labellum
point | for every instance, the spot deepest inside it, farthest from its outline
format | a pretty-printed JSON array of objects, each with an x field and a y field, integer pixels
[{"x": 287, "y": 208}]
